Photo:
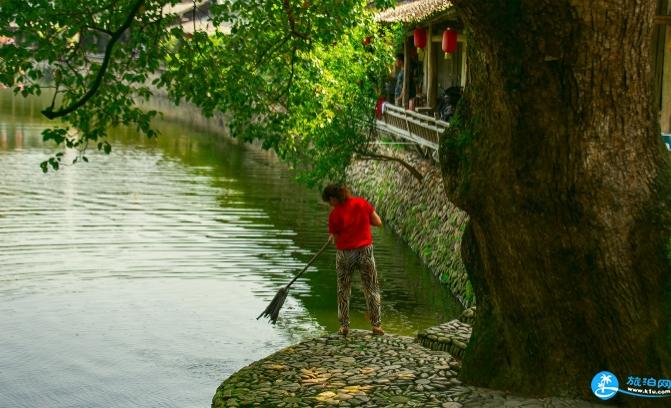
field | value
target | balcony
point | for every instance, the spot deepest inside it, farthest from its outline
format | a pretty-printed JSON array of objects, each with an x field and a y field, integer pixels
[{"x": 411, "y": 126}]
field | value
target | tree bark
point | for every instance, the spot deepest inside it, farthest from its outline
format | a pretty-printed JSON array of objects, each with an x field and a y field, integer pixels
[{"x": 556, "y": 157}]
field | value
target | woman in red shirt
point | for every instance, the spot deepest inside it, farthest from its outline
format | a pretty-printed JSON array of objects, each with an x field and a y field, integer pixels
[{"x": 349, "y": 226}]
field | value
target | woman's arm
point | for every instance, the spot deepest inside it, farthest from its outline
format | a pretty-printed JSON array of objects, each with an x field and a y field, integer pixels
[{"x": 375, "y": 220}]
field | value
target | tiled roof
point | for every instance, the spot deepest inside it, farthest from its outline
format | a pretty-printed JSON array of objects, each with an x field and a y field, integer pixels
[{"x": 414, "y": 11}]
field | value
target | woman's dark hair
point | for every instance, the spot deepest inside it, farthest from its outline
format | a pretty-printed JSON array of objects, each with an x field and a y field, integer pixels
[
  {"x": 338, "y": 191},
  {"x": 400, "y": 57}
]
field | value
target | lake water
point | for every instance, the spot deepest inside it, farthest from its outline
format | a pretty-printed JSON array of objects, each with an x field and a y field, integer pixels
[{"x": 135, "y": 280}]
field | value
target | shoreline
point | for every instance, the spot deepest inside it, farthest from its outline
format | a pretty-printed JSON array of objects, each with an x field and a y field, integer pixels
[{"x": 367, "y": 371}]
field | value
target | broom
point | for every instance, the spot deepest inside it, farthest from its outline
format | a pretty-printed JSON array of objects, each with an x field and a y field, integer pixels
[{"x": 273, "y": 309}]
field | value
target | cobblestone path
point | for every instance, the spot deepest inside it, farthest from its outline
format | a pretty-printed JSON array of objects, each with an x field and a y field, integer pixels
[{"x": 362, "y": 370}]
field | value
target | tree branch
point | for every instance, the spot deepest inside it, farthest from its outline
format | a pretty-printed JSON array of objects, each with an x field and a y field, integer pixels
[
  {"x": 99, "y": 29},
  {"x": 382, "y": 157},
  {"x": 293, "y": 65},
  {"x": 270, "y": 49},
  {"x": 49, "y": 111},
  {"x": 292, "y": 20}
]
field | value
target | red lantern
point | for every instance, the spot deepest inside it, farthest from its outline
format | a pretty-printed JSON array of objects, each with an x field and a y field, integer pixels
[
  {"x": 420, "y": 37},
  {"x": 450, "y": 40},
  {"x": 366, "y": 41},
  {"x": 378, "y": 107}
]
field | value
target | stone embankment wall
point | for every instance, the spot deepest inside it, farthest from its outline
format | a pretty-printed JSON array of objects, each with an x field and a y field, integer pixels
[
  {"x": 186, "y": 113},
  {"x": 418, "y": 212}
]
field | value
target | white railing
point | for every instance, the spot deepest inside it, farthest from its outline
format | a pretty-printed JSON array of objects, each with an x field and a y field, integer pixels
[{"x": 421, "y": 129}]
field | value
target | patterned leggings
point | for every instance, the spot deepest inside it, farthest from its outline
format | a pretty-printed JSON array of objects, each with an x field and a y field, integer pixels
[{"x": 346, "y": 262}]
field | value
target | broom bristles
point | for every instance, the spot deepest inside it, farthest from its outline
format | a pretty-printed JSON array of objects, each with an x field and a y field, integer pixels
[{"x": 273, "y": 309}]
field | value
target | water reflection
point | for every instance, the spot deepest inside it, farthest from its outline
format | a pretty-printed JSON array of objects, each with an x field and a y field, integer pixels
[{"x": 134, "y": 280}]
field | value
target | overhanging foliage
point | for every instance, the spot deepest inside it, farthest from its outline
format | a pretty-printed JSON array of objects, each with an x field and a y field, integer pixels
[{"x": 294, "y": 75}]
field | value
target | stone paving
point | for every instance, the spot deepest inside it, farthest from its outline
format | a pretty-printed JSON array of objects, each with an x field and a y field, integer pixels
[
  {"x": 451, "y": 337},
  {"x": 468, "y": 316},
  {"x": 362, "y": 370}
]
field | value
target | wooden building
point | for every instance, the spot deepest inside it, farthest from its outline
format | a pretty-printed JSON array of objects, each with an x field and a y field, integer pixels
[
  {"x": 434, "y": 70},
  {"x": 434, "y": 73},
  {"x": 431, "y": 71}
]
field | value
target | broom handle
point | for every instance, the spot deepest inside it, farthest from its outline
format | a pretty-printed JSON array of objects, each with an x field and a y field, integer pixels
[{"x": 311, "y": 261}]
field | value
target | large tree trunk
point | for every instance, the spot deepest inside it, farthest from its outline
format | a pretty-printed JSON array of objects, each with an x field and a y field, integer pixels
[{"x": 556, "y": 157}]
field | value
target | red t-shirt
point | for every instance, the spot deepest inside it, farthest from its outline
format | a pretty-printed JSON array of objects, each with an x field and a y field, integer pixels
[{"x": 350, "y": 221}]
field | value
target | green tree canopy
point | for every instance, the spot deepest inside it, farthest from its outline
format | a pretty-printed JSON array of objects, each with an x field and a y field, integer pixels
[{"x": 294, "y": 75}]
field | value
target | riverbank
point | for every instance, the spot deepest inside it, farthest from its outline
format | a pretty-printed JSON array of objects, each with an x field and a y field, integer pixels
[
  {"x": 419, "y": 212},
  {"x": 367, "y": 371}
]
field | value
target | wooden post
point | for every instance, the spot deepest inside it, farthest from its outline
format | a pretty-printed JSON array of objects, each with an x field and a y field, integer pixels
[
  {"x": 431, "y": 85},
  {"x": 662, "y": 66},
  {"x": 464, "y": 61},
  {"x": 657, "y": 53},
  {"x": 665, "y": 114},
  {"x": 406, "y": 66}
]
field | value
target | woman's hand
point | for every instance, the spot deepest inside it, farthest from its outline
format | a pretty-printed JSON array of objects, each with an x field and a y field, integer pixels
[{"x": 375, "y": 220}]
